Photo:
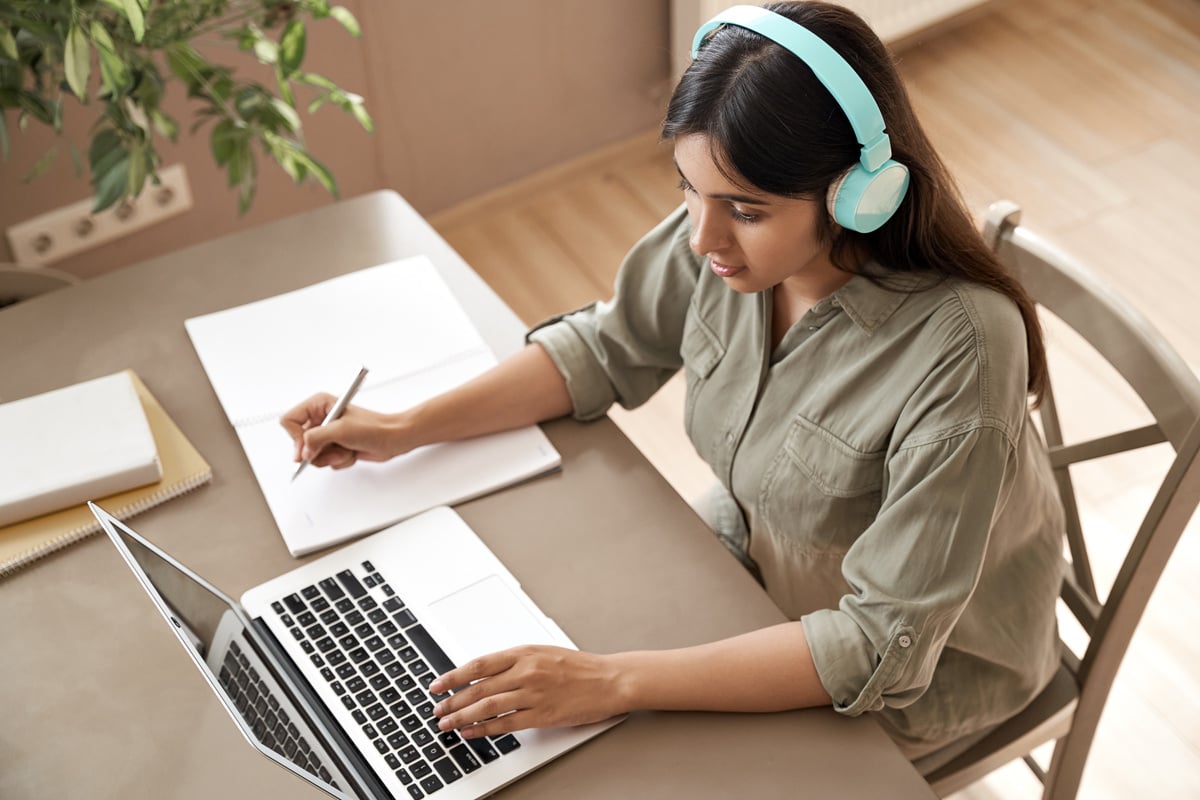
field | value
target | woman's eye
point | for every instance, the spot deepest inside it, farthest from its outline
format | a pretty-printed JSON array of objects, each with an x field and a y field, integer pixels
[
  {"x": 685, "y": 186},
  {"x": 742, "y": 216}
]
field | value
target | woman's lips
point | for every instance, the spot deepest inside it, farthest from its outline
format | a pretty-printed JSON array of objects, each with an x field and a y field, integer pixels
[{"x": 723, "y": 270}]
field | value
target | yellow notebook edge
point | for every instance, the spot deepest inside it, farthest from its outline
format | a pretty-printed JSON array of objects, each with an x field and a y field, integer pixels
[{"x": 183, "y": 469}]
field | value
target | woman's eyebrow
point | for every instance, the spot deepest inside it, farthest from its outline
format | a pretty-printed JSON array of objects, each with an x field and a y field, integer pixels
[{"x": 745, "y": 199}]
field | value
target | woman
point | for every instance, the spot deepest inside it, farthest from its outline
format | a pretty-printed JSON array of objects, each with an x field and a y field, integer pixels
[{"x": 859, "y": 386}]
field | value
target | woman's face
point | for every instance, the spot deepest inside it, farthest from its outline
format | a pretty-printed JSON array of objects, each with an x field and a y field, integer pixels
[{"x": 753, "y": 240}]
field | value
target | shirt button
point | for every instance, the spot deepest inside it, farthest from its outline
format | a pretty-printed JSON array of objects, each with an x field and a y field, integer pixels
[
  {"x": 729, "y": 436},
  {"x": 905, "y": 640},
  {"x": 814, "y": 327}
]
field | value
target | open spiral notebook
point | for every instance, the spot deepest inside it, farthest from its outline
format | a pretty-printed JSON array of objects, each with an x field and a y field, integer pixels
[{"x": 402, "y": 322}]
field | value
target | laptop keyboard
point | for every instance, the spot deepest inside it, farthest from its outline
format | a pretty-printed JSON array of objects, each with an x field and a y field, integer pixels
[
  {"x": 269, "y": 721},
  {"x": 379, "y": 660}
]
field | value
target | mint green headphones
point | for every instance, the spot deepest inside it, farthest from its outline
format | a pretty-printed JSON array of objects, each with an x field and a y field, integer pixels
[{"x": 868, "y": 194}]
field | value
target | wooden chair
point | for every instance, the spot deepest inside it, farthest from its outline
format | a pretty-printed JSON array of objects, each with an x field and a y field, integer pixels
[{"x": 1068, "y": 710}]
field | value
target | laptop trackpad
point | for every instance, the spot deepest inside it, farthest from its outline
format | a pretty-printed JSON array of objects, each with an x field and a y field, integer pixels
[{"x": 485, "y": 617}]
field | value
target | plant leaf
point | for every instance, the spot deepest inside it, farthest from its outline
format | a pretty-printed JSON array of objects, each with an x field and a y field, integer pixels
[
  {"x": 320, "y": 171},
  {"x": 109, "y": 187},
  {"x": 360, "y": 113},
  {"x": 8, "y": 45},
  {"x": 343, "y": 15},
  {"x": 225, "y": 140},
  {"x": 136, "y": 17},
  {"x": 287, "y": 114},
  {"x": 42, "y": 164},
  {"x": 266, "y": 51},
  {"x": 3, "y": 135},
  {"x": 113, "y": 70},
  {"x": 138, "y": 169},
  {"x": 291, "y": 47},
  {"x": 166, "y": 125},
  {"x": 77, "y": 61}
]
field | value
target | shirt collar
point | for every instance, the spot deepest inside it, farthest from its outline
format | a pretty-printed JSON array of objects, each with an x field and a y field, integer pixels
[{"x": 870, "y": 304}]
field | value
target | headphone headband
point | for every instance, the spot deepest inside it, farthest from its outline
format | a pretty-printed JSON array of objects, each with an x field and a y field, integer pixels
[
  {"x": 865, "y": 196},
  {"x": 830, "y": 68}
]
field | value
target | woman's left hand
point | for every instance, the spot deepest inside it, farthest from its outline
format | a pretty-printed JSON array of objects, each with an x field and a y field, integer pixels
[{"x": 532, "y": 686}]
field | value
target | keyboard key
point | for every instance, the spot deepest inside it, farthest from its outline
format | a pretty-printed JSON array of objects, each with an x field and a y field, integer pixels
[
  {"x": 433, "y": 751},
  {"x": 309, "y": 592},
  {"x": 410, "y": 723},
  {"x": 437, "y": 658},
  {"x": 402, "y": 774},
  {"x": 483, "y": 749},
  {"x": 431, "y": 784},
  {"x": 415, "y": 792},
  {"x": 368, "y": 566},
  {"x": 420, "y": 769},
  {"x": 507, "y": 743},
  {"x": 409, "y": 755},
  {"x": 306, "y": 618},
  {"x": 404, "y": 618},
  {"x": 398, "y": 741},
  {"x": 331, "y": 589},
  {"x": 344, "y": 605},
  {"x": 353, "y": 587},
  {"x": 447, "y": 770},
  {"x": 465, "y": 759},
  {"x": 294, "y": 602}
]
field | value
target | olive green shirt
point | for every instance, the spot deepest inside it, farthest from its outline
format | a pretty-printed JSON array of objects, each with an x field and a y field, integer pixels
[{"x": 898, "y": 500}]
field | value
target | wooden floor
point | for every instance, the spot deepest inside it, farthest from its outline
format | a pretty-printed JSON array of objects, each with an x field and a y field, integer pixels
[{"x": 1087, "y": 113}]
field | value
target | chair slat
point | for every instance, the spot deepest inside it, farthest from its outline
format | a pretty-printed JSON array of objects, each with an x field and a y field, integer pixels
[{"x": 1062, "y": 455}]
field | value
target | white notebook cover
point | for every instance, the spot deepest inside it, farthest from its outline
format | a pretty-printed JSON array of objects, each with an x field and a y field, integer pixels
[
  {"x": 401, "y": 321},
  {"x": 74, "y": 444}
]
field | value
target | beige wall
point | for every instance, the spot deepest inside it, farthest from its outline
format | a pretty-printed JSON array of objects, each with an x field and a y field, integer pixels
[{"x": 466, "y": 97}]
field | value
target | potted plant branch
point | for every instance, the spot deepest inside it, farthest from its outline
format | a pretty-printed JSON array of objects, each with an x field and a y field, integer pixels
[{"x": 52, "y": 50}]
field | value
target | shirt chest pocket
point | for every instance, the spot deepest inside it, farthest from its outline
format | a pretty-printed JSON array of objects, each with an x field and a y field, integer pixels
[
  {"x": 820, "y": 493},
  {"x": 700, "y": 351}
]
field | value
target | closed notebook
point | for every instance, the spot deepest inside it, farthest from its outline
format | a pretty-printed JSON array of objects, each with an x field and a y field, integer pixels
[
  {"x": 183, "y": 469},
  {"x": 74, "y": 444}
]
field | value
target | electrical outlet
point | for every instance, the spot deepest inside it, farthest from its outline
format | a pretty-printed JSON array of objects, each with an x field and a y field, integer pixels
[{"x": 72, "y": 229}]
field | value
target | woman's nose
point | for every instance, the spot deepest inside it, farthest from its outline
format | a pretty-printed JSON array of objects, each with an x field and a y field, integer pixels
[{"x": 708, "y": 234}]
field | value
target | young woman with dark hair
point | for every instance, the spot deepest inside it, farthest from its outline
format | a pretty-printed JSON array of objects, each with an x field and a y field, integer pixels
[{"x": 859, "y": 370}]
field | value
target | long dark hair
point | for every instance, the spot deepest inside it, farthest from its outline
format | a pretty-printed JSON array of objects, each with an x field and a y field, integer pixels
[{"x": 770, "y": 121}]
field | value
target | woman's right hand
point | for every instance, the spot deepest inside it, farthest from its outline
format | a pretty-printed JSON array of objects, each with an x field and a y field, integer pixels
[{"x": 358, "y": 434}]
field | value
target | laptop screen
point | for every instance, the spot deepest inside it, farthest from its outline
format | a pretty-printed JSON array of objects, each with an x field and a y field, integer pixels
[{"x": 213, "y": 630}]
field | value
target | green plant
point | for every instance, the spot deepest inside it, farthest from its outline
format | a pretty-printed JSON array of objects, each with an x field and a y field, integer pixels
[{"x": 48, "y": 49}]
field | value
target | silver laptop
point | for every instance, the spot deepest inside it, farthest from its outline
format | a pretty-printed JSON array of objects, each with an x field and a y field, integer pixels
[{"x": 325, "y": 669}]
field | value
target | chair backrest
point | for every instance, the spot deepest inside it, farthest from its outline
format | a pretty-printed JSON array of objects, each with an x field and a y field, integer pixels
[{"x": 1069, "y": 710}]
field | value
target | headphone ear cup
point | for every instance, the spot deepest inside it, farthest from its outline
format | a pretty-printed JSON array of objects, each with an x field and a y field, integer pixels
[{"x": 862, "y": 201}]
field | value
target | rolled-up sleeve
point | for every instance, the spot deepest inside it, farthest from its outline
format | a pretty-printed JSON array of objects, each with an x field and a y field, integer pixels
[
  {"x": 625, "y": 349},
  {"x": 912, "y": 572}
]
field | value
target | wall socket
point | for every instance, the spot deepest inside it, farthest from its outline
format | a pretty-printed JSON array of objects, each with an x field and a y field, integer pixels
[{"x": 72, "y": 229}]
